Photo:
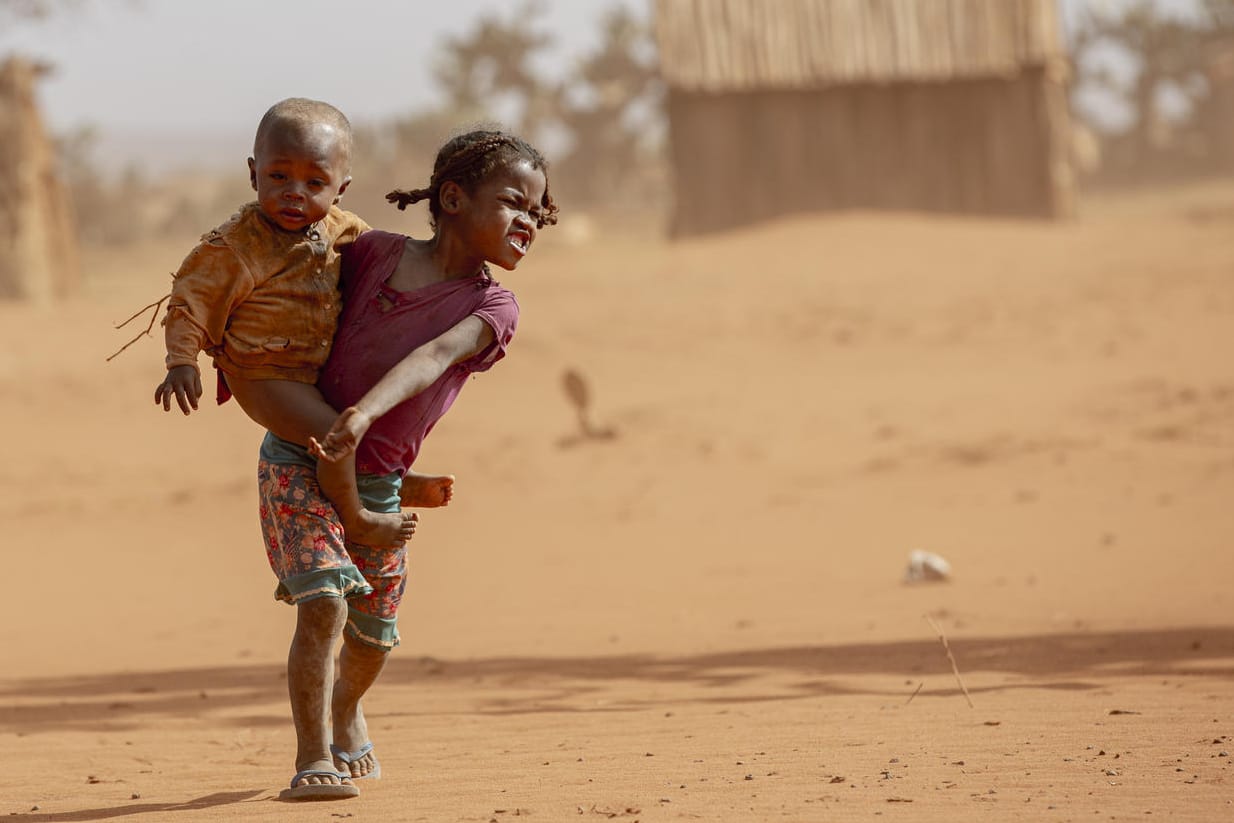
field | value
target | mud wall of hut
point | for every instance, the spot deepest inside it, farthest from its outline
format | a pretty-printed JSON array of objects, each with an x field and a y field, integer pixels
[
  {"x": 38, "y": 242},
  {"x": 990, "y": 146}
]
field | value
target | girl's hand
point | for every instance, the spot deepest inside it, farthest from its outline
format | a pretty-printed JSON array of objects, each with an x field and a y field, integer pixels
[{"x": 346, "y": 433}]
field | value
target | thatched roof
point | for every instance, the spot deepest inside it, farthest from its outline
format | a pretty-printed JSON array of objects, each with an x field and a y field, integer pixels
[{"x": 731, "y": 45}]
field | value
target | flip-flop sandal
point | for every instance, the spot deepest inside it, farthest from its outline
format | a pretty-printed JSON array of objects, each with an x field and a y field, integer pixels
[
  {"x": 351, "y": 757},
  {"x": 319, "y": 791}
]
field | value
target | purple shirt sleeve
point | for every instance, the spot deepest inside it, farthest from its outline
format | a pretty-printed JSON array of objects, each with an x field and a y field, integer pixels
[{"x": 500, "y": 310}]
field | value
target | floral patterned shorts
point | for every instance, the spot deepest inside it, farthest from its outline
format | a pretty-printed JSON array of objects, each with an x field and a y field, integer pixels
[{"x": 311, "y": 558}]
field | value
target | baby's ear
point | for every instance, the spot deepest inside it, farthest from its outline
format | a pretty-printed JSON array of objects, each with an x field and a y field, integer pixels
[
  {"x": 341, "y": 189},
  {"x": 253, "y": 173}
]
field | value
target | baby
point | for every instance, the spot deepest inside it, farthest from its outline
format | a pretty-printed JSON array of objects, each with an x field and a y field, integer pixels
[{"x": 260, "y": 295}]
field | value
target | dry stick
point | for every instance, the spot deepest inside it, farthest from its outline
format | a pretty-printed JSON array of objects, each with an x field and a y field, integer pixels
[
  {"x": 951, "y": 658},
  {"x": 914, "y": 694},
  {"x": 154, "y": 316}
]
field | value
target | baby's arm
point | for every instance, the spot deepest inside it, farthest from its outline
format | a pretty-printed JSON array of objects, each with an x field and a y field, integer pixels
[
  {"x": 410, "y": 376},
  {"x": 182, "y": 383},
  {"x": 210, "y": 283}
]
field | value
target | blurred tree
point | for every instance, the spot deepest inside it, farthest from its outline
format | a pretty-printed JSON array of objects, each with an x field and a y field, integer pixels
[
  {"x": 1215, "y": 111},
  {"x": 612, "y": 113},
  {"x": 491, "y": 67},
  {"x": 600, "y": 121},
  {"x": 32, "y": 9},
  {"x": 1172, "y": 58},
  {"x": 103, "y": 209}
]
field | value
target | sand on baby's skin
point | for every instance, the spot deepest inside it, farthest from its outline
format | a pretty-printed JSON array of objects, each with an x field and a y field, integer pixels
[{"x": 702, "y": 618}]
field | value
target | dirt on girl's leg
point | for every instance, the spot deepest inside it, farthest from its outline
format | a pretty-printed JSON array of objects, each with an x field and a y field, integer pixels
[
  {"x": 310, "y": 665},
  {"x": 426, "y": 491},
  {"x": 338, "y": 483},
  {"x": 359, "y": 665}
]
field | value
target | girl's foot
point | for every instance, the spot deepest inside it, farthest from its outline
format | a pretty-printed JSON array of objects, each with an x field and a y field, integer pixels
[
  {"x": 360, "y": 764},
  {"x": 319, "y": 780},
  {"x": 352, "y": 750}
]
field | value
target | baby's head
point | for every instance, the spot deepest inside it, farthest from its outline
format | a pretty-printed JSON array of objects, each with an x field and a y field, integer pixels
[{"x": 301, "y": 162}]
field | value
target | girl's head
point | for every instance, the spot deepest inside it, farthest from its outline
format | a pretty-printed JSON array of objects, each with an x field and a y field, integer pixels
[{"x": 491, "y": 186}]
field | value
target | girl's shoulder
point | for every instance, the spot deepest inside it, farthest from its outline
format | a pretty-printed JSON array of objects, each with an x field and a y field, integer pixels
[{"x": 378, "y": 239}]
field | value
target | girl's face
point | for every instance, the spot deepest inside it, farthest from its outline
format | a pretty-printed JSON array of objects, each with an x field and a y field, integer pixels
[{"x": 499, "y": 217}]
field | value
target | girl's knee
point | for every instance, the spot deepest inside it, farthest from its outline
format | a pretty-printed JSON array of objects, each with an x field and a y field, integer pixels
[{"x": 322, "y": 613}]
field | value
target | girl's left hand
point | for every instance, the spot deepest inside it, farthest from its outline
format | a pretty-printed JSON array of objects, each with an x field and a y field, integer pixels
[{"x": 343, "y": 438}]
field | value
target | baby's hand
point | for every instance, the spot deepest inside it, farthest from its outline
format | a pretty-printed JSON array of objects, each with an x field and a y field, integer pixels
[
  {"x": 346, "y": 433},
  {"x": 183, "y": 383}
]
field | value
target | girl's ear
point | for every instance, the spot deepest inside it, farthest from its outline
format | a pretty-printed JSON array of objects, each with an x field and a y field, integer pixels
[
  {"x": 451, "y": 197},
  {"x": 253, "y": 173}
]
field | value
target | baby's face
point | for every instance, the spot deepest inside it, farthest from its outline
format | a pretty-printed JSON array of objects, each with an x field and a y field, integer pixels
[{"x": 298, "y": 174}]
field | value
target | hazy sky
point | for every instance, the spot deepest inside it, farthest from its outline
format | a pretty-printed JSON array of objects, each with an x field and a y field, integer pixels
[
  {"x": 168, "y": 81},
  {"x": 149, "y": 73}
]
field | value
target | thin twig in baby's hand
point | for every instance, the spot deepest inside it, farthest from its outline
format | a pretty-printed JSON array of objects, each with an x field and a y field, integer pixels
[{"x": 153, "y": 317}]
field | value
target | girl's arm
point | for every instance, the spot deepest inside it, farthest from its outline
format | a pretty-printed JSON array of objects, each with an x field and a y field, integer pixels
[{"x": 410, "y": 376}]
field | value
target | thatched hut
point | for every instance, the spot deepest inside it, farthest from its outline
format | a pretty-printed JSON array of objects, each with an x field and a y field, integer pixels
[
  {"x": 38, "y": 243},
  {"x": 781, "y": 106}
]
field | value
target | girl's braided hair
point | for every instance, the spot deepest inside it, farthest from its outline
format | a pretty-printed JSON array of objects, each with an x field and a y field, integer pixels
[{"x": 470, "y": 158}]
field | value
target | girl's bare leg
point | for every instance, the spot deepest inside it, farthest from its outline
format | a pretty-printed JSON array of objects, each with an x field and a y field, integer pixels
[
  {"x": 359, "y": 665},
  {"x": 310, "y": 666},
  {"x": 296, "y": 412}
]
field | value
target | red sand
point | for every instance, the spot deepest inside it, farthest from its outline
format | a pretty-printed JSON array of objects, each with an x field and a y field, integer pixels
[{"x": 703, "y": 618}]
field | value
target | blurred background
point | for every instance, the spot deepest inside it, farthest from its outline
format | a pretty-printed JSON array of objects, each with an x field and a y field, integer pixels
[
  {"x": 147, "y": 106},
  {"x": 840, "y": 286}
]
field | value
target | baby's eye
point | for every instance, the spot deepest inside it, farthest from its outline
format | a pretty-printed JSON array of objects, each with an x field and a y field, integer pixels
[{"x": 277, "y": 175}]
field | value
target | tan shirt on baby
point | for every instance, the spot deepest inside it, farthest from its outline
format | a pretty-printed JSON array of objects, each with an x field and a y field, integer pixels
[{"x": 262, "y": 301}]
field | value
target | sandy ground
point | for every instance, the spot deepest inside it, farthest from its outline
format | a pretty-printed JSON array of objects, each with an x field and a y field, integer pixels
[{"x": 704, "y": 617}]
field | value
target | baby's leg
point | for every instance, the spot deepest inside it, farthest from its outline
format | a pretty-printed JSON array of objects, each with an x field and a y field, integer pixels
[
  {"x": 296, "y": 412},
  {"x": 426, "y": 491},
  {"x": 338, "y": 483}
]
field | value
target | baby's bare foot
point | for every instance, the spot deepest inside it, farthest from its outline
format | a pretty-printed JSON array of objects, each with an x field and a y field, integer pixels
[
  {"x": 380, "y": 529},
  {"x": 427, "y": 491}
]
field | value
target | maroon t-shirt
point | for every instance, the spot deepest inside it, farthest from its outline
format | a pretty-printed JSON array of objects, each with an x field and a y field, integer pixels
[{"x": 380, "y": 326}]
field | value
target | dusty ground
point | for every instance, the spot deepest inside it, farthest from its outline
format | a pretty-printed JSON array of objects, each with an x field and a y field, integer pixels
[{"x": 703, "y": 618}]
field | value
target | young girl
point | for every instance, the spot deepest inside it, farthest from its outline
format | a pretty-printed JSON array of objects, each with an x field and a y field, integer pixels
[{"x": 419, "y": 317}]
